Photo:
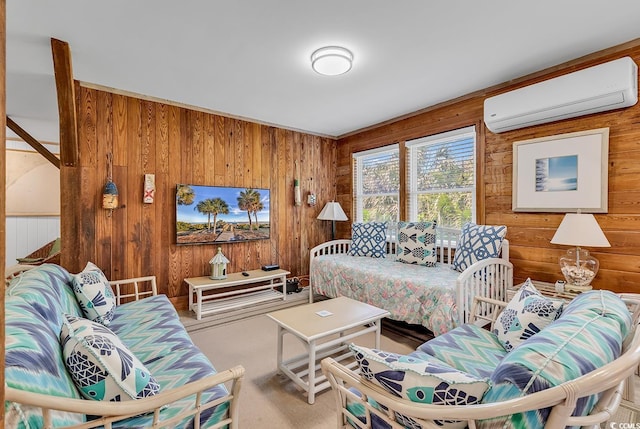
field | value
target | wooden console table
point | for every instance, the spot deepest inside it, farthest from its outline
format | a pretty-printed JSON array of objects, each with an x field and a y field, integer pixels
[{"x": 232, "y": 296}]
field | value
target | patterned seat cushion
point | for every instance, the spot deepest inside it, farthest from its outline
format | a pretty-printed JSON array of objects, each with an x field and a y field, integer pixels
[
  {"x": 587, "y": 336},
  {"x": 368, "y": 239},
  {"x": 151, "y": 329},
  {"x": 427, "y": 381},
  {"x": 525, "y": 315},
  {"x": 477, "y": 242},
  {"x": 417, "y": 243},
  {"x": 468, "y": 348}
]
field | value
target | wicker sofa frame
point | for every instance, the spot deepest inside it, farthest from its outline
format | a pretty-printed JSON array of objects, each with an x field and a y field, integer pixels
[
  {"x": 108, "y": 413},
  {"x": 609, "y": 380}
]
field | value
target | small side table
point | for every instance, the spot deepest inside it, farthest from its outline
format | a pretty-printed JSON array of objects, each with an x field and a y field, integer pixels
[{"x": 546, "y": 289}]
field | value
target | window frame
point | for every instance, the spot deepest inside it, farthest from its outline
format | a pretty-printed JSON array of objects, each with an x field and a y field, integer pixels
[
  {"x": 412, "y": 146},
  {"x": 358, "y": 193}
]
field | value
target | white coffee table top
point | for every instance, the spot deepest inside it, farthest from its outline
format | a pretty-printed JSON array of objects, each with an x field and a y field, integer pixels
[{"x": 305, "y": 322}]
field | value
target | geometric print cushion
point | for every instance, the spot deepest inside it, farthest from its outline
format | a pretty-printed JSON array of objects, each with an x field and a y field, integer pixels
[
  {"x": 417, "y": 243},
  {"x": 525, "y": 315},
  {"x": 101, "y": 366},
  {"x": 427, "y": 381},
  {"x": 477, "y": 242},
  {"x": 94, "y": 294},
  {"x": 368, "y": 239},
  {"x": 582, "y": 340},
  {"x": 468, "y": 348}
]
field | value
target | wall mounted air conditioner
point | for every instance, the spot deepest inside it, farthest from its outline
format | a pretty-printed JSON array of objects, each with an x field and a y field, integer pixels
[{"x": 600, "y": 88}]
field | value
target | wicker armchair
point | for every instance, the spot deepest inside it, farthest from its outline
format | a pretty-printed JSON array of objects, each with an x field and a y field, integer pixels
[{"x": 609, "y": 381}]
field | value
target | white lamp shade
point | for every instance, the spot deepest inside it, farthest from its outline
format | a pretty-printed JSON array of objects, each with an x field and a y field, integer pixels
[
  {"x": 332, "y": 211},
  {"x": 580, "y": 229},
  {"x": 331, "y": 60}
]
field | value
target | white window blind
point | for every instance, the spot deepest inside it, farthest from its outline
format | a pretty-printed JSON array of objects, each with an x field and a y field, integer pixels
[
  {"x": 376, "y": 182},
  {"x": 441, "y": 176}
]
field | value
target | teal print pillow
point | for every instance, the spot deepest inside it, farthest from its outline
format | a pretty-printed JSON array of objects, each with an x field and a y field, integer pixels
[
  {"x": 417, "y": 243},
  {"x": 477, "y": 242},
  {"x": 101, "y": 366},
  {"x": 525, "y": 315},
  {"x": 94, "y": 294},
  {"x": 368, "y": 239},
  {"x": 418, "y": 380}
]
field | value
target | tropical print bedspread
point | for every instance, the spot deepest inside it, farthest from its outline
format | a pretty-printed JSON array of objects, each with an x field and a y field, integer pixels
[{"x": 411, "y": 293}]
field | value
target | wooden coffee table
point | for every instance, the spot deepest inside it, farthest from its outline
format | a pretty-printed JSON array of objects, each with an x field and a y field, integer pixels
[{"x": 314, "y": 324}]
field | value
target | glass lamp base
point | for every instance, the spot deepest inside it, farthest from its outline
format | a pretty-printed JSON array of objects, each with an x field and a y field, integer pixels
[{"x": 579, "y": 269}]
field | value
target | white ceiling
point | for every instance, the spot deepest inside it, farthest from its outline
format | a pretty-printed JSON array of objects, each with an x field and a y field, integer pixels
[{"x": 250, "y": 58}]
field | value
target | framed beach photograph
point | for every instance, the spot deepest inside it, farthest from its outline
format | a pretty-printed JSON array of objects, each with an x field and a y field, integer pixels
[{"x": 562, "y": 173}]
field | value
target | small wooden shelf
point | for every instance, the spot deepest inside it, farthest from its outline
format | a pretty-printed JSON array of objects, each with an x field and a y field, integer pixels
[{"x": 213, "y": 296}]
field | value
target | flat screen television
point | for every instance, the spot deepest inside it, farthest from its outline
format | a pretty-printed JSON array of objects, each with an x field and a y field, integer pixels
[{"x": 216, "y": 214}]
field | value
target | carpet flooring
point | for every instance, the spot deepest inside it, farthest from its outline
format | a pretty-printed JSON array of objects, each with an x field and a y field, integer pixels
[{"x": 269, "y": 399}]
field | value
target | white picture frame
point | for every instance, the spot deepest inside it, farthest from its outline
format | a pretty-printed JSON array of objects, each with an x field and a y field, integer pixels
[{"x": 562, "y": 173}]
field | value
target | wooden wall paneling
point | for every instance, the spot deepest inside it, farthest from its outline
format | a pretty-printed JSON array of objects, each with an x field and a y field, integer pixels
[
  {"x": 174, "y": 282},
  {"x": 148, "y": 165},
  {"x": 164, "y": 202},
  {"x": 219, "y": 160},
  {"x": 263, "y": 251},
  {"x": 179, "y": 145},
  {"x": 281, "y": 201},
  {"x": 131, "y": 199},
  {"x": 104, "y": 146}
]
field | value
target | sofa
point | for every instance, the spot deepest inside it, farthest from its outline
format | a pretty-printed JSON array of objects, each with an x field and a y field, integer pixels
[
  {"x": 537, "y": 362},
  {"x": 83, "y": 352},
  {"x": 422, "y": 274}
]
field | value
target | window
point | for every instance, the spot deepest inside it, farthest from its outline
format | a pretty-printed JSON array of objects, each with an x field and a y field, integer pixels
[
  {"x": 376, "y": 181},
  {"x": 441, "y": 176}
]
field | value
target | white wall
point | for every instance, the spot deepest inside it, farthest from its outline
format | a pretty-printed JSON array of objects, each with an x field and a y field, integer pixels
[
  {"x": 24, "y": 234},
  {"x": 29, "y": 233}
]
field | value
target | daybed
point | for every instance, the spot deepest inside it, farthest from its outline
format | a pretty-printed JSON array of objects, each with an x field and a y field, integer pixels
[
  {"x": 142, "y": 364},
  {"x": 571, "y": 372},
  {"x": 436, "y": 297}
]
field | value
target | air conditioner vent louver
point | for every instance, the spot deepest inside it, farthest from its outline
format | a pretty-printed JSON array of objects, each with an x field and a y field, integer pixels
[{"x": 607, "y": 86}]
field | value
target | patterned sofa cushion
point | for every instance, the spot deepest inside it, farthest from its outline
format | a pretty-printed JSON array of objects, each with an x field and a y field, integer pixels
[
  {"x": 368, "y": 239},
  {"x": 594, "y": 324},
  {"x": 152, "y": 330},
  {"x": 34, "y": 304},
  {"x": 468, "y": 348},
  {"x": 417, "y": 243},
  {"x": 94, "y": 294},
  {"x": 477, "y": 242},
  {"x": 525, "y": 315},
  {"x": 427, "y": 381},
  {"x": 101, "y": 366}
]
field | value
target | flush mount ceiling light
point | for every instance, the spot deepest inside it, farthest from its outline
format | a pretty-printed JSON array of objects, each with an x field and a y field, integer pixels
[{"x": 331, "y": 60}]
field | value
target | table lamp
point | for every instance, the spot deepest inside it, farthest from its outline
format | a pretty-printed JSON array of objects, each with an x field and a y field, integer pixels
[
  {"x": 333, "y": 212},
  {"x": 577, "y": 265}
]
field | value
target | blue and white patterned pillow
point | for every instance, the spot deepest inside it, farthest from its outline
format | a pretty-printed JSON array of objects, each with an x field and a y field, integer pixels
[
  {"x": 101, "y": 366},
  {"x": 417, "y": 243},
  {"x": 94, "y": 294},
  {"x": 525, "y": 315},
  {"x": 368, "y": 239},
  {"x": 418, "y": 380},
  {"x": 477, "y": 242}
]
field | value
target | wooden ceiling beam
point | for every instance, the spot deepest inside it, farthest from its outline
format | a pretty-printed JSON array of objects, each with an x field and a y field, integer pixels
[
  {"x": 39, "y": 147},
  {"x": 63, "y": 72}
]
